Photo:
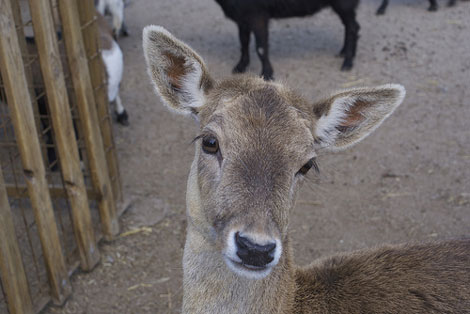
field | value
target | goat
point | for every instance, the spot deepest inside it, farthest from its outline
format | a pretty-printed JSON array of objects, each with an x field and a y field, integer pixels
[
  {"x": 253, "y": 16},
  {"x": 116, "y": 9},
  {"x": 432, "y": 6},
  {"x": 113, "y": 60},
  {"x": 112, "y": 57},
  {"x": 257, "y": 142}
]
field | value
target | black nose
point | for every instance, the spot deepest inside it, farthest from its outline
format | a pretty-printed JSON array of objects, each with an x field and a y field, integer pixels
[{"x": 253, "y": 254}]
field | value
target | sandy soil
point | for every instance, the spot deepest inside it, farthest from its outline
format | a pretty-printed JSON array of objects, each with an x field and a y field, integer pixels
[{"x": 408, "y": 181}]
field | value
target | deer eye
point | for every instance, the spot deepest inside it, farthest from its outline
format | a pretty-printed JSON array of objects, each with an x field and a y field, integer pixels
[
  {"x": 210, "y": 145},
  {"x": 305, "y": 168}
]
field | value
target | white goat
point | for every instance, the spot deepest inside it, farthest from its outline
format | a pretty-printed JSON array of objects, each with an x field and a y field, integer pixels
[{"x": 116, "y": 9}]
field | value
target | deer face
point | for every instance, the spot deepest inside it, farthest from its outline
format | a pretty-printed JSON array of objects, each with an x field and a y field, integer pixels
[
  {"x": 257, "y": 141},
  {"x": 248, "y": 169}
]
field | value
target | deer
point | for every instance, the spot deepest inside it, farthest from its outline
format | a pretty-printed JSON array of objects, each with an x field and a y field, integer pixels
[{"x": 257, "y": 142}]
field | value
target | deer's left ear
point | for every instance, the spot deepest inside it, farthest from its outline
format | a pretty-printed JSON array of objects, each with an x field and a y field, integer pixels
[
  {"x": 178, "y": 72},
  {"x": 347, "y": 117}
]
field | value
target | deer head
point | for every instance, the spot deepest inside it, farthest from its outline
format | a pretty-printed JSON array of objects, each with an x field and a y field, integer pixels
[{"x": 257, "y": 142}]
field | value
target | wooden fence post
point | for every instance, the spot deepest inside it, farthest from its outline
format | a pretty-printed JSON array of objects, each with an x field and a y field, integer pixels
[
  {"x": 19, "y": 103},
  {"x": 87, "y": 14},
  {"x": 56, "y": 91},
  {"x": 88, "y": 116},
  {"x": 12, "y": 272},
  {"x": 15, "y": 6}
]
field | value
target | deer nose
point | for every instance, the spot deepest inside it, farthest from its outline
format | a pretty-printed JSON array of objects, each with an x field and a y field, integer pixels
[{"x": 253, "y": 254}]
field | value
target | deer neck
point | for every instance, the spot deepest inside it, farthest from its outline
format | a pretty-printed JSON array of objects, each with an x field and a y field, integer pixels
[{"x": 211, "y": 287}]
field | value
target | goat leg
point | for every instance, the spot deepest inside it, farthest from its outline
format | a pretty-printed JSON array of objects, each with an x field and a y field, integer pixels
[
  {"x": 382, "y": 8},
  {"x": 124, "y": 30},
  {"x": 351, "y": 28},
  {"x": 244, "y": 32},
  {"x": 260, "y": 28},
  {"x": 432, "y": 6}
]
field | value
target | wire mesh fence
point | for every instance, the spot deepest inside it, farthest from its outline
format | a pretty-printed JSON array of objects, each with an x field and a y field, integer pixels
[{"x": 77, "y": 220}]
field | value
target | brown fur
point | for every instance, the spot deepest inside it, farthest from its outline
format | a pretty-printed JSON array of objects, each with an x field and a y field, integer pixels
[
  {"x": 265, "y": 134},
  {"x": 105, "y": 33},
  {"x": 423, "y": 278},
  {"x": 176, "y": 70}
]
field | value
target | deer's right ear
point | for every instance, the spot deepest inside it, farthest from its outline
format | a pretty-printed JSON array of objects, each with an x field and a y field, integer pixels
[
  {"x": 347, "y": 117},
  {"x": 178, "y": 73}
]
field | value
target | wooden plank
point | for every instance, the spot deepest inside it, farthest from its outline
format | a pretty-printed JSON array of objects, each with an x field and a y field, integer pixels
[
  {"x": 16, "y": 8},
  {"x": 19, "y": 103},
  {"x": 43, "y": 300},
  {"x": 98, "y": 78},
  {"x": 88, "y": 116},
  {"x": 61, "y": 116},
  {"x": 12, "y": 272},
  {"x": 55, "y": 192}
]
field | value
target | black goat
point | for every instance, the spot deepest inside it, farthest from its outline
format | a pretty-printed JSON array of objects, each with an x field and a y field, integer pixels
[
  {"x": 253, "y": 16},
  {"x": 432, "y": 6}
]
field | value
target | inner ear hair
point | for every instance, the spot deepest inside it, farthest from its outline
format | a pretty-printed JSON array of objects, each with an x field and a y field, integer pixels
[
  {"x": 176, "y": 70},
  {"x": 349, "y": 116},
  {"x": 354, "y": 115}
]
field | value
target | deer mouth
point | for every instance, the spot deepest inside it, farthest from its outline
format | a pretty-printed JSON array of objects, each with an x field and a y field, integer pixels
[
  {"x": 245, "y": 270},
  {"x": 250, "y": 267}
]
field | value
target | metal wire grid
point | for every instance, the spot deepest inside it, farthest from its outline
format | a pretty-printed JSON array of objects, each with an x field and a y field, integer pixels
[
  {"x": 47, "y": 141},
  {"x": 110, "y": 148},
  {"x": 77, "y": 123},
  {"x": 10, "y": 161},
  {"x": 106, "y": 119},
  {"x": 25, "y": 227}
]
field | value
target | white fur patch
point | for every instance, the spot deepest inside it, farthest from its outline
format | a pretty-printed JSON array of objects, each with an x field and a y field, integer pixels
[
  {"x": 231, "y": 248},
  {"x": 115, "y": 8},
  {"x": 380, "y": 109},
  {"x": 234, "y": 262},
  {"x": 326, "y": 125},
  {"x": 193, "y": 95},
  {"x": 119, "y": 107},
  {"x": 113, "y": 61}
]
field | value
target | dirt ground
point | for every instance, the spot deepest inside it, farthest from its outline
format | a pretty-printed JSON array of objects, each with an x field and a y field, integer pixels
[{"x": 409, "y": 181}]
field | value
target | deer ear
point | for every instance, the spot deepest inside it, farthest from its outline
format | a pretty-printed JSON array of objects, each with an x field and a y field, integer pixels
[
  {"x": 179, "y": 75},
  {"x": 347, "y": 117}
]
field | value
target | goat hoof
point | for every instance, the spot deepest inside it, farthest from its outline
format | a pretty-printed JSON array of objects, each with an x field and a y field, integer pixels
[
  {"x": 239, "y": 68},
  {"x": 122, "y": 118},
  {"x": 451, "y": 3},
  {"x": 380, "y": 11},
  {"x": 432, "y": 8},
  {"x": 267, "y": 77},
  {"x": 267, "y": 74},
  {"x": 347, "y": 66},
  {"x": 124, "y": 32}
]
